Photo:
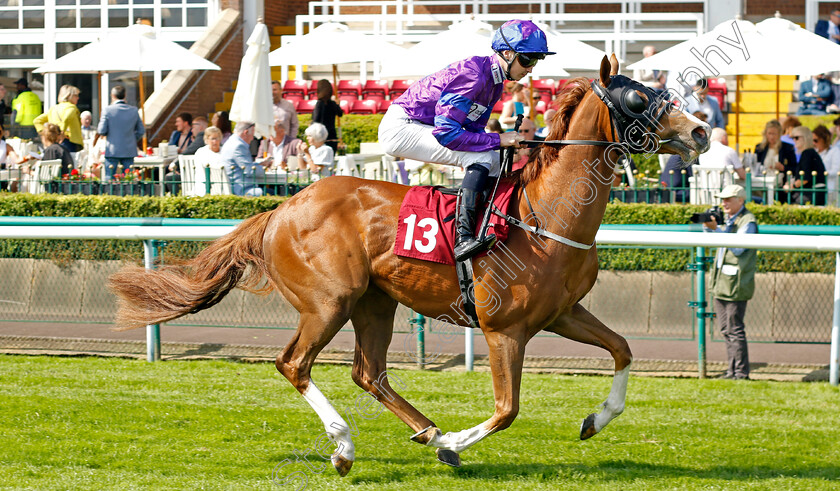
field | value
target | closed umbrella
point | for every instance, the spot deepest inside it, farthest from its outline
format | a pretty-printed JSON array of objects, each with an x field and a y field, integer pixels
[{"x": 252, "y": 99}]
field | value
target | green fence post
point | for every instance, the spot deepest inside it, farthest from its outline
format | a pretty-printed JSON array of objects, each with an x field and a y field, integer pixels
[
  {"x": 151, "y": 253},
  {"x": 420, "y": 321},
  {"x": 748, "y": 184},
  {"x": 699, "y": 268},
  {"x": 207, "y": 183}
]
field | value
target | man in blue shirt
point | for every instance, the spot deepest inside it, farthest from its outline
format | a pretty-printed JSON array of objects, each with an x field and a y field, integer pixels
[
  {"x": 121, "y": 124},
  {"x": 243, "y": 173}
]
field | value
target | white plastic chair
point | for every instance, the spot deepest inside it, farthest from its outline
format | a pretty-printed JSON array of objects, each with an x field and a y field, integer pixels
[
  {"x": 707, "y": 181},
  {"x": 219, "y": 182},
  {"x": 188, "y": 183},
  {"x": 42, "y": 172}
]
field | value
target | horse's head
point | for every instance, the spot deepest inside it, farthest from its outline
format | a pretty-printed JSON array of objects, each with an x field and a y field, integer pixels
[{"x": 647, "y": 121}]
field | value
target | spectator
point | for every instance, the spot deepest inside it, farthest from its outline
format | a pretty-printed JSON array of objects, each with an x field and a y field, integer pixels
[
  {"x": 221, "y": 120},
  {"x": 284, "y": 111},
  {"x": 26, "y": 107},
  {"x": 9, "y": 159},
  {"x": 4, "y": 108},
  {"x": 88, "y": 131},
  {"x": 527, "y": 130},
  {"x": 788, "y": 125},
  {"x": 548, "y": 118},
  {"x": 182, "y": 136},
  {"x": 243, "y": 173},
  {"x": 207, "y": 156},
  {"x": 515, "y": 105},
  {"x": 199, "y": 124},
  {"x": 835, "y": 130},
  {"x": 733, "y": 280},
  {"x": 654, "y": 79},
  {"x": 720, "y": 155},
  {"x": 814, "y": 94},
  {"x": 493, "y": 126},
  {"x": 53, "y": 150},
  {"x": 325, "y": 112},
  {"x": 707, "y": 104},
  {"x": 315, "y": 153},
  {"x": 66, "y": 116},
  {"x": 121, "y": 123},
  {"x": 829, "y": 29},
  {"x": 803, "y": 184},
  {"x": 281, "y": 146},
  {"x": 675, "y": 176},
  {"x": 772, "y": 152},
  {"x": 830, "y": 156}
]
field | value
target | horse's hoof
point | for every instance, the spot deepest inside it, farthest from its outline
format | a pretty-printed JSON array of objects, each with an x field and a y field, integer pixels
[
  {"x": 341, "y": 465},
  {"x": 425, "y": 436},
  {"x": 448, "y": 457},
  {"x": 587, "y": 429}
]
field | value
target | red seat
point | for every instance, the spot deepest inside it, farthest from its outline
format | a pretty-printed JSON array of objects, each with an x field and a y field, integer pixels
[
  {"x": 345, "y": 105},
  {"x": 306, "y": 106},
  {"x": 375, "y": 88},
  {"x": 374, "y": 96},
  {"x": 383, "y": 106},
  {"x": 351, "y": 98},
  {"x": 350, "y": 87},
  {"x": 541, "y": 107},
  {"x": 313, "y": 89},
  {"x": 398, "y": 87},
  {"x": 295, "y": 87},
  {"x": 560, "y": 84},
  {"x": 544, "y": 85},
  {"x": 367, "y": 106},
  {"x": 294, "y": 97},
  {"x": 498, "y": 106}
]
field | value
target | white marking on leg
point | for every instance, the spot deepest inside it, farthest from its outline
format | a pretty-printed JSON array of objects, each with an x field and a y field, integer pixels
[
  {"x": 461, "y": 440},
  {"x": 336, "y": 428},
  {"x": 614, "y": 405}
]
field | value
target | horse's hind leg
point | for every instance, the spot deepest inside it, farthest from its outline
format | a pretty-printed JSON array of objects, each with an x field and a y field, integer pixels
[
  {"x": 315, "y": 330},
  {"x": 373, "y": 321},
  {"x": 580, "y": 325}
]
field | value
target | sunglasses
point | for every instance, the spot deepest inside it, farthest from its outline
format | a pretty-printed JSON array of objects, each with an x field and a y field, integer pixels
[
  {"x": 527, "y": 60},
  {"x": 797, "y": 137}
]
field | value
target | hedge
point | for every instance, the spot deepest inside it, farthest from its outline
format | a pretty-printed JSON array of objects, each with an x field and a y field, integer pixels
[{"x": 63, "y": 251}]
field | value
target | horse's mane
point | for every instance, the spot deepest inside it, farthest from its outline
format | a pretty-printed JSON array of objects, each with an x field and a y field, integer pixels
[{"x": 566, "y": 102}]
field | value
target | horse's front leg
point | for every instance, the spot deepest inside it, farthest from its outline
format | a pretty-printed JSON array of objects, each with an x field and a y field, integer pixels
[
  {"x": 506, "y": 354},
  {"x": 580, "y": 325}
]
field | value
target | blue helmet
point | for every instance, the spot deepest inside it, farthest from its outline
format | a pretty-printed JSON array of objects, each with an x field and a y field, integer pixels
[{"x": 520, "y": 36}]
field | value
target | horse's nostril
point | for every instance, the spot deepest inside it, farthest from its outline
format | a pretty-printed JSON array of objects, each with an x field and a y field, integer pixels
[{"x": 699, "y": 135}]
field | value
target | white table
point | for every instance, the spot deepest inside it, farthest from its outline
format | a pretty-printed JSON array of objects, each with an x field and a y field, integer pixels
[{"x": 155, "y": 162}]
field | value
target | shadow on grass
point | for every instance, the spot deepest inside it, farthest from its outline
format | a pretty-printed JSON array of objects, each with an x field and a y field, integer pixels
[{"x": 624, "y": 469}]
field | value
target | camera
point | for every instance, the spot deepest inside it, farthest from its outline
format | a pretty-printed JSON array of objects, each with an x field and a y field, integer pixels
[{"x": 707, "y": 215}]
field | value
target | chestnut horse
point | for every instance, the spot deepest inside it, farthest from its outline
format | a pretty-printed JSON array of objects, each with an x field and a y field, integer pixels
[{"x": 329, "y": 251}]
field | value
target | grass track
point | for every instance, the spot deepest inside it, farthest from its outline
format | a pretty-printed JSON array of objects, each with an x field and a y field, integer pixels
[{"x": 98, "y": 423}]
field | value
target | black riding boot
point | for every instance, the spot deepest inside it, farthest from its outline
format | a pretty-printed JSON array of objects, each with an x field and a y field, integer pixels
[{"x": 466, "y": 244}]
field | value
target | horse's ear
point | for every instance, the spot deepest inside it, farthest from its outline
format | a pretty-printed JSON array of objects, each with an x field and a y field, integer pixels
[
  {"x": 613, "y": 65},
  {"x": 605, "y": 71}
]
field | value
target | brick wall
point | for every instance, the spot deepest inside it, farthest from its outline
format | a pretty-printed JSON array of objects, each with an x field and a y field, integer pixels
[
  {"x": 283, "y": 12},
  {"x": 208, "y": 86}
]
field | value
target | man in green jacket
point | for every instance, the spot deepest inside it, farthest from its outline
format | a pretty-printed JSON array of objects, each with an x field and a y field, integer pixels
[
  {"x": 733, "y": 279},
  {"x": 26, "y": 107}
]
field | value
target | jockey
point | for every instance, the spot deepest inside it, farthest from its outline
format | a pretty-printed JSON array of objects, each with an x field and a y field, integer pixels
[{"x": 441, "y": 119}]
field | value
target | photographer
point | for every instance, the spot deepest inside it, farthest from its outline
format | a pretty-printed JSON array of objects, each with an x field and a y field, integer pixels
[{"x": 733, "y": 279}]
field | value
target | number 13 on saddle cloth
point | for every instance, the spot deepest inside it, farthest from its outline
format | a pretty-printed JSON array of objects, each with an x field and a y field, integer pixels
[{"x": 426, "y": 225}]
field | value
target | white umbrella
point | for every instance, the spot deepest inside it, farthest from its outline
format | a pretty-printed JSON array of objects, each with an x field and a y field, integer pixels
[
  {"x": 330, "y": 44},
  {"x": 252, "y": 99},
  {"x": 133, "y": 49},
  {"x": 462, "y": 40},
  {"x": 571, "y": 53}
]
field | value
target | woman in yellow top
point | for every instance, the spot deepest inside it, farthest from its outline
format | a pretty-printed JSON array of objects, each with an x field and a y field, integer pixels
[{"x": 66, "y": 116}]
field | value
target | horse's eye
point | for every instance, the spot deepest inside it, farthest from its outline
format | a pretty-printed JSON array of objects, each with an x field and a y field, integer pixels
[{"x": 634, "y": 102}]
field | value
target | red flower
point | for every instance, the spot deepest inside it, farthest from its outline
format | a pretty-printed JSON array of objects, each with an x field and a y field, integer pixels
[{"x": 74, "y": 172}]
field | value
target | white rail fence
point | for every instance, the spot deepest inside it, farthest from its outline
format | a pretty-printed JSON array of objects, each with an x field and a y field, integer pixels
[{"x": 149, "y": 234}]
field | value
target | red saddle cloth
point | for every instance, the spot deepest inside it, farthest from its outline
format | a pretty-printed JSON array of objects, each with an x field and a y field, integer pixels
[{"x": 426, "y": 227}]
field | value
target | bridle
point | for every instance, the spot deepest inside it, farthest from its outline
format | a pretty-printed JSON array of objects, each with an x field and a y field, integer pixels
[{"x": 627, "y": 110}]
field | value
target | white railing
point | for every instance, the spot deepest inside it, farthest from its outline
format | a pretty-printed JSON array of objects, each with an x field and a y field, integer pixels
[{"x": 779, "y": 242}]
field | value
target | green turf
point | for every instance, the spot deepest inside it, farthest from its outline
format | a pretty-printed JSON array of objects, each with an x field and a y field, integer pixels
[{"x": 98, "y": 423}]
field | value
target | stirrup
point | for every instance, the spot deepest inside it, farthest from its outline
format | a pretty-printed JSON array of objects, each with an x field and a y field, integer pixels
[{"x": 473, "y": 246}]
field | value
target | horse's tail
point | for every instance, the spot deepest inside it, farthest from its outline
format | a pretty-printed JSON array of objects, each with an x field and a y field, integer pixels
[{"x": 155, "y": 296}]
